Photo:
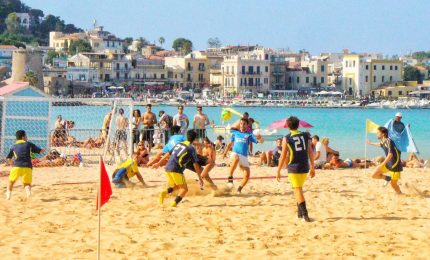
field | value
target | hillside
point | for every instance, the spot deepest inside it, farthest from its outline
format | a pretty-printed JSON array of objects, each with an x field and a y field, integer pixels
[{"x": 12, "y": 33}]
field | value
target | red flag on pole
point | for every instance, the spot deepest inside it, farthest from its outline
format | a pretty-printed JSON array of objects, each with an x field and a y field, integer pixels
[{"x": 105, "y": 189}]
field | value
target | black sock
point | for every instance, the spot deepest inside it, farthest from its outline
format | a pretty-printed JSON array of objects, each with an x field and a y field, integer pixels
[
  {"x": 303, "y": 208},
  {"x": 239, "y": 189},
  {"x": 169, "y": 190},
  {"x": 230, "y": 178},
  {"x": 387, "y": 178},
  {"x": 299, "y": 211},
  {"x": 178, "y": 199}
]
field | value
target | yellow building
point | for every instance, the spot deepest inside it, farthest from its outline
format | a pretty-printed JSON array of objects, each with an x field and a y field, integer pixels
[
  {"x": 361, "y": 74},
  {"x": 190, "y": 71},
  {"x": 393, "y": 91}
]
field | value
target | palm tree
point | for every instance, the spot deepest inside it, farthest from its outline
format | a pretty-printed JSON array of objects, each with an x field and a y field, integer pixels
[
  {"x": 31, "y": 78},
  {"x": 161, "y": 40}
]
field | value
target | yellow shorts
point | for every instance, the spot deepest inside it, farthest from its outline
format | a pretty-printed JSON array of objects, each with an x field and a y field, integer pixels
[
  {"x": 25, "y": 173},
  {"x": 174, "y": 178},
  {"x": 395, "y": 176},
  {"x": 297, "y": 179}
]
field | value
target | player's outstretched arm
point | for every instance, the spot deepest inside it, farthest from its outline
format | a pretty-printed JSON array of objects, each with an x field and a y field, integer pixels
[
  {"x": 140, "y": 178},
  {"x": 374, "y": 144}
]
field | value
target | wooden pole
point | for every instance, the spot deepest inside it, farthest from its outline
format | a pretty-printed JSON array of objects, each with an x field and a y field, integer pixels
[{"x": 98, "y": 211}]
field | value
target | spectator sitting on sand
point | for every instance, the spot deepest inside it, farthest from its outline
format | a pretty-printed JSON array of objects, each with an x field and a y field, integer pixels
[
  {"x": 330, "y": 151},
  {"x": 414, "y": 162},
  {"x": 271, "y": 157},
  {"x": 220, "y": 144},
  {"x": 143, "y": 155}
]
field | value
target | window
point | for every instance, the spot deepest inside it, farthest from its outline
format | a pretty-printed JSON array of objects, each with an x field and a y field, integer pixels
[
  {"x": 251, "y": 69},
  {"x": 289, "y": 79},
  {"x": 266, "y": 80},
  {"x": 315, "y": 80},
  {"x": 162, "y": 76},
  {"x": 374, "y": 78},
  {"x": 267, "y": 69},
  {"x": 117, "y": 75},
  {"x": 307, "y": 79},
  {"x": 241, "y": 81},
  {"x": 126, "y": 66},
  {"x": 395, "y": 67},
  {"x": 353, "y": 63},
  {"x": 400, "y": 93},
  {"x": 374, "y": 67},
  {"x": 258, "y": 69},
  {"x": 390, "y": 92},
  {"x": 228, "y": 70},
  {"x": 383, "y": 78},
  {"x": 346, "y": 64},
  {"x": 126, "y": 75},
  {"x": 251, "y": 82},
  {"x": 322, "y": 80},
  {"x": 367, "y": 67},
  {"x": 367, "y": 78},
  {"x": 225, "y": 82},
  {"x": 350, "y": 81},
  {"x": 391, "y": 67},
  {"x": 322, "y": 68},
  {"x": 383, "y": 67},
  {"x": 243, "y": 69},
  {"x": 298, "y": 79},
  {"x": 232, "y": 70},
  {"x": 391, "y": 78}
]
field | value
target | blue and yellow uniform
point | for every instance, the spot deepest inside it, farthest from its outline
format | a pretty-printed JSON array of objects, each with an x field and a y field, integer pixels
[
  {"x": 298, "y": 163},
  {"x": 125, "y": 171},
  {"x": 22, "y": 167},
  {"x": 181, "y": 155},
  {"x": 394, "y": 166}
]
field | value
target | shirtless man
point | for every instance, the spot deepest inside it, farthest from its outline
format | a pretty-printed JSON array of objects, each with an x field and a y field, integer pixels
[
  {"x": 199, "y": 123},
  {"x": 149, "y": 120},
  {"x": 121, "y": 131}
]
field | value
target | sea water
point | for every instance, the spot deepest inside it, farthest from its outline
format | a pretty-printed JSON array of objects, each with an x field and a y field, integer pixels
[{"x": 345, "y": 127}]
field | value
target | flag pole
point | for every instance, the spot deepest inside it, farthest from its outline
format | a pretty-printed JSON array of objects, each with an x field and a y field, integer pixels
[
  {"x": 98, "y": 211},
  {"x": 365, "y": 148}
]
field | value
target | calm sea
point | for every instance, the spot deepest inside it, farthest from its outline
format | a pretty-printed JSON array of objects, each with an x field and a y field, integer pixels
[{"x": 344, "y": 127}]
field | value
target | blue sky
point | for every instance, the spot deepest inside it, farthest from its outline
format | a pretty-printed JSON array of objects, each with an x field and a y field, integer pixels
[{"x": 391, "y": 27}]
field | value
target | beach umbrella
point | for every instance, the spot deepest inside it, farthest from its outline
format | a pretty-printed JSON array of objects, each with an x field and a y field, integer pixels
[{"x": 283, "y": 124}]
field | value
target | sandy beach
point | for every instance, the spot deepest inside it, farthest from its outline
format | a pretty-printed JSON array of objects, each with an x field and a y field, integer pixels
[{"x": 353, "y": 216}]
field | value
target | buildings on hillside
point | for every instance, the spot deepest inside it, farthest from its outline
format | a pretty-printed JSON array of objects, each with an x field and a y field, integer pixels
[
  {"x": 6, "y": 52},
  {"x": 99, "y": 39},
  {"x": 362, "y": 74}
]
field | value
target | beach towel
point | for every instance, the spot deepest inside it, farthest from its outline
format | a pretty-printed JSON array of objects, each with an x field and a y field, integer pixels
[{"x": 404, "y": 140}]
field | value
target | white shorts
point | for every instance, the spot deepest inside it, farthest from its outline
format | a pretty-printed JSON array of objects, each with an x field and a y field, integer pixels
[{"x": 243, "y": 160}]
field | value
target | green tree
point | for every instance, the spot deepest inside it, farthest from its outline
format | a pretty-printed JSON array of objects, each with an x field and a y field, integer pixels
[
  {"x": 186, "y": 48},
  {"x": 411, "y": 73},
  {"x": 178, "y": 44},
  {"x": 51, "y": 55},
  {"x": 31, "y": 78},
  {"x": 12, "y": 23},
  {"x": 79, "y": 45},
  {"x": 161, "y": 40},
  {"x": 420, "y": 55},
  {"x": 214, "y": 43}
]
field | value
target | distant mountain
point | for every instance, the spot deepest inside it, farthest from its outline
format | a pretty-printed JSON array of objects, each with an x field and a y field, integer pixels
[{"x": 40, "y": 25}]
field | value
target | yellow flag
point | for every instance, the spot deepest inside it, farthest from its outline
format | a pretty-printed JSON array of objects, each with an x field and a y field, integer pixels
[{"x": 371, "y": 127}]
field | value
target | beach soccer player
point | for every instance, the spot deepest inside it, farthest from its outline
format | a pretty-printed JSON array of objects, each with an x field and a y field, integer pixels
[
  {"x": 240, "y": 141},
  {"x": 181, "y": 155},
  {"x": 22, "y": 167},
  {"x": 127, "y": 170},
  {"x": 175, "y": 139},
  {"x": 392, "y": 163},
  {"x": 298, "y": 154}
]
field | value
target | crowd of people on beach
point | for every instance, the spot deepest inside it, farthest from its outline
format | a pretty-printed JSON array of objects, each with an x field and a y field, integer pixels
[{"x": 300, "y": 152}]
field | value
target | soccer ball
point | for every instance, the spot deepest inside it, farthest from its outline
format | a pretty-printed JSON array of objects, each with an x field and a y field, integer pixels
[{"x": 230, "y": 185}]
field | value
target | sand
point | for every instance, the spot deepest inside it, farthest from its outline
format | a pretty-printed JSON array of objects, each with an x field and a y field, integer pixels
[{"x": 353, "y": 216}]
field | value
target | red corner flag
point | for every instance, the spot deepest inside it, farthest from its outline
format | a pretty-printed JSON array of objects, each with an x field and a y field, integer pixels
[{"x": 105, "y": 189}]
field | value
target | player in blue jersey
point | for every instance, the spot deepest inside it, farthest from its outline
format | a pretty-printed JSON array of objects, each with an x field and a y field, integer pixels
[
  {"x": 392, "y": 163},
  {"x": 240, "y": 141},
  {"x": 298, "y": 155},
  {"x": 162, "y": 156},
  {"x": 181, "y": 155}
]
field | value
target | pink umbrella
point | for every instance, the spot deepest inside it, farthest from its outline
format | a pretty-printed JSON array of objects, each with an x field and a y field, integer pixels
[{"x": 283, "y": 124}]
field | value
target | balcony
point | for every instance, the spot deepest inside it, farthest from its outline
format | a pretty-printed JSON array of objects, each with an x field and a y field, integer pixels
[
  {"x": 251, "y": 73},
  {"x": 278, "y": 72}
]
